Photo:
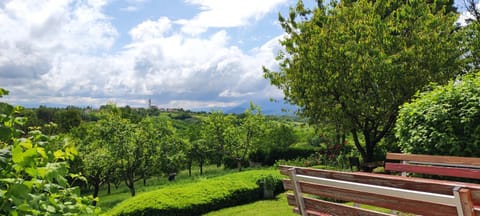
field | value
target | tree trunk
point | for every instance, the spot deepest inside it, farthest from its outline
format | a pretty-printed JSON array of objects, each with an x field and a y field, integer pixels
[
  {"x": 131, "y": 185},
  {"x": 200, "y": 164},
  {"x": 96, "y": 189},
  {"x": 132, "y": 190},
  {"x": 239, "y": 164},
  {"x": 144, "y": 181},
  {"x": 108, "y": 187}
]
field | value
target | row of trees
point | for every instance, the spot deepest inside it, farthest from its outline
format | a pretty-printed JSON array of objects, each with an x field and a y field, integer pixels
[{"x": 115, "y": 149}]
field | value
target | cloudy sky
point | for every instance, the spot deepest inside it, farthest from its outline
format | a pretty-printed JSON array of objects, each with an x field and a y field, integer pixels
[{"x": 178, "y": 53}]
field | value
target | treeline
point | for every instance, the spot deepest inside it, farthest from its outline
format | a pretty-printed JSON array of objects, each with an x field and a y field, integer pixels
[{"x": 119, "y": 145}]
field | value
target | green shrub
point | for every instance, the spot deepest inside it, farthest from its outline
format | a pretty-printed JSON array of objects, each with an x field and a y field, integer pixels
[
  {"x": 290, "y": 153},
  {"x": 197, "y": 198},
  {"x": 34, "y": 171},
  {"x": 443, "y": 121},
  {"x": 230, "y": 163}
]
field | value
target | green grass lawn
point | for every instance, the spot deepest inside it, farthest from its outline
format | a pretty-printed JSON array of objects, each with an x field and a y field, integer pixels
[{"x": 273, "y": 207}]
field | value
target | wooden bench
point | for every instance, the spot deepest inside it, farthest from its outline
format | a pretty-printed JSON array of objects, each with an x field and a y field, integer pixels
[
  {"x": 405, "y": 194},
  {"x": 462, "y": 167}
]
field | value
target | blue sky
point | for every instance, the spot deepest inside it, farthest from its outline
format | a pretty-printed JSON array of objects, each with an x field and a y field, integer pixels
[{"x": 191, "y": 54}]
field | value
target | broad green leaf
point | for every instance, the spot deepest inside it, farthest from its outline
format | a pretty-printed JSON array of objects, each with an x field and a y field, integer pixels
[
  {"x": 17, "y": 154},
  {"x": 27, "y": 144},
  {"x": 59, "y": 154},
  {"x": 19, "y": 191},
  {"x": 41, "y": 151}
]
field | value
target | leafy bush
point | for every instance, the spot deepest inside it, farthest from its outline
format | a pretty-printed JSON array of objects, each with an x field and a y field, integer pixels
[
  {"x": 33, "y": 171},
  {"x": 197, "y": 198},
  {"x": 443, "y": 121},
  {"x": 290, "y": 153}
]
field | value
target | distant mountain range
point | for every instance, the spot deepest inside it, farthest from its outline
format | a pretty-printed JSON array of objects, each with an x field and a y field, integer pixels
[{"x": 268, "y": 108}]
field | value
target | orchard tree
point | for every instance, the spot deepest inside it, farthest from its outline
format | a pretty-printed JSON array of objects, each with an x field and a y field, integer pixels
[
  {"x": 118, "y": 135},
  {"x": 354, "y": 64},
  {"x": 198, "y": 151},
  {"x": 151, "y": 132},
  {"x": 95, "y": 159},
  {"x": 214, "y": 134},
  {"x": 244, "y": 136}
]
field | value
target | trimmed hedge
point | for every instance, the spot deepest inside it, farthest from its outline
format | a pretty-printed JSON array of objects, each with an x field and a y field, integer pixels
[
  {"x": 199, "y": 197},
  {"x": 275, "y": 154}
]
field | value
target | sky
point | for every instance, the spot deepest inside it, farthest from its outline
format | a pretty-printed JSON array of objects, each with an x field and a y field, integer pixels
[{"x": 191, "y": 54}]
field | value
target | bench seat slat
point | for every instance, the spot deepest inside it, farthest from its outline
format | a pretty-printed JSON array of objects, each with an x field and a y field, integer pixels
[
  {"x": 434, "y": 170},
  {"x": 384, "y": 201},
  {"x": 320, "y": 207}
]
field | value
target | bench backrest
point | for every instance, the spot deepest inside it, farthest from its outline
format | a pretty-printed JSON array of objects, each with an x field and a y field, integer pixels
[
  {"x": 413, "y": 195},
  {"x": 463, "y": 167}
]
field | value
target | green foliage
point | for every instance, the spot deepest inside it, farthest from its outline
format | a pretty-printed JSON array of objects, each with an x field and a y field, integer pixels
[
  {"x": 443, "y": 121},
  {"x": 275, "y": 154},
  {"x": 197, "y": 198},
  {"x": 34, "y": 171},
  {"x": 234, "y": 138},
  {"x": 67, "y": 119},
  {"x": 353, "y": 64},
  {"x": 471, "y": 45}
]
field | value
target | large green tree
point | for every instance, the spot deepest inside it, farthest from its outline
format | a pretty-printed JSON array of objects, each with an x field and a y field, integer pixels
[{"x": 354, "y": 64}]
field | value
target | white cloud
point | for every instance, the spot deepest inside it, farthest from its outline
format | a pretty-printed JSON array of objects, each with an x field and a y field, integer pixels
[
  {"x": 226, "y": 13},
  {"x": 151, "y": 29},
  {"x": 58, "y": 52}
]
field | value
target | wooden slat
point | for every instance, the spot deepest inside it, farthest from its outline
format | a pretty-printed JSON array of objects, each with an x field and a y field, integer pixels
[
  {"x": 434, "y": 170},
  {"x": 384, "y": 201},
  {"x": 321, "y": 207},
  {"x": 410, "y": 183},
  {"x": 466, "y": 161},
  {"x": 411, "y": 195}
]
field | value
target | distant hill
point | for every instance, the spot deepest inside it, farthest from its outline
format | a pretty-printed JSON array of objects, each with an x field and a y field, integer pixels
[{"x": 268, "y": 108}]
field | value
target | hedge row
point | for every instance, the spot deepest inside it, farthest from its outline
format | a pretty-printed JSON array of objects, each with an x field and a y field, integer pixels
[
  {"x": 199, "y": 197},
  {"x": 269, "y": 158}
]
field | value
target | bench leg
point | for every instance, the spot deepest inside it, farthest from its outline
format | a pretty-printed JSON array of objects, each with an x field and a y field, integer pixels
[
  {"x": 465, "y": 205},
  {"x": 292, "y": 172}
]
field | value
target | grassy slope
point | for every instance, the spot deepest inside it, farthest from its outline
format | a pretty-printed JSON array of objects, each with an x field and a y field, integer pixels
[{"x": 274, "y": 207}]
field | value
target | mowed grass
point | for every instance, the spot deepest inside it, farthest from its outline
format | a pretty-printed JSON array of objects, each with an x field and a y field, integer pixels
[{"x": 273, "y": 207}]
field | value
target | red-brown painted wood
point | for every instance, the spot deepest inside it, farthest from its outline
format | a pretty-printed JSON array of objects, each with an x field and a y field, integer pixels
[
  {"x": 466, "y": 202},
  {"x": 321, "y": 207},
  {"x": 434, "y": 170},
  {"x": 409, "y": 183},
  {"x": 427, "y": 185},
  {"x": 434, "y": 159},
  {"x": 384, "y": 201}
]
